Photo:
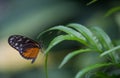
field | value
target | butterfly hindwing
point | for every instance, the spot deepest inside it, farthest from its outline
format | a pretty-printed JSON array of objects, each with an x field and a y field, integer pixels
[{"x": 30, "y": 51}]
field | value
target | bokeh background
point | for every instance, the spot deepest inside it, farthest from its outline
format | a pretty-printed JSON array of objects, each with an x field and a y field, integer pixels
[{"x": 31, "y": 17}]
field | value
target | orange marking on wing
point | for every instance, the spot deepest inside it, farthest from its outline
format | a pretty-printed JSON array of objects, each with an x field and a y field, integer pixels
[{"x": 31, "y": 53}]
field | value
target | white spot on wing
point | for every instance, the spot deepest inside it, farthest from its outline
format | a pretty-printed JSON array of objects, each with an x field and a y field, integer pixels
[
  {"x": 16, "y": 44},
  {"x": 17, "y": 37},
  {"x": 24, "y": 37},
  {"x": 27, "y": 41},
  {"x": 17, "y": 48},
  {"x": 21, "y": 50},
  {"x": 12, "y": 38},
  {"x": 21, "y": 45},
  {"x": 20, "y": 39},
  {"x": 10, "y": 41}
]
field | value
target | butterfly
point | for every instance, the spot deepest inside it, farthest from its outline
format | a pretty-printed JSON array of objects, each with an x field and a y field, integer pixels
[{"x": 27, "y": 47}]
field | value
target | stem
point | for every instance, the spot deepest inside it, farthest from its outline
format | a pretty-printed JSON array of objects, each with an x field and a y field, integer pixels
[{"x": 46, "y": 62}]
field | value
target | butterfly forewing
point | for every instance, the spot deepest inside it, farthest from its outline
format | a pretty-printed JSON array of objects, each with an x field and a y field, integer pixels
[{"x": 27, "y": 47}]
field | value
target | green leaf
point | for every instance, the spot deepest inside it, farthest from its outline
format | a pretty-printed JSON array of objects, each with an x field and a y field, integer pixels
[
  {"x": 109, "y": 51},
  {"x": 105, "y": 41},
  {"x": 87, "y": 69},
  {"x": 69, "y": 31},
  {"x": 59, "y": 39},
  {"x": 113, "y": 10},
  {"x": 103, "y": 37},
  {"x": 71, "y": 55},
  {"x": 91, "y": 2},
  {"x": 66, "y": 30},
  {"x": 92, "y": 40}
]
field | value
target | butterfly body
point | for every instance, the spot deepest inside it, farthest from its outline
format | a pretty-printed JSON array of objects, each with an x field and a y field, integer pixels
[{"x": 27, "y": 47}]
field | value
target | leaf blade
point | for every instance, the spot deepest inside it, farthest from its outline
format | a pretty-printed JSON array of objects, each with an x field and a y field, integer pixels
[
  {"x": 109, "y": 51},
  {"x": 69, "y": 31},
  {"x": 103, "y": 37},
  {"x": 85, "y": 70},
  {"x": 112, "y": 10},
  {"x": 59, "y": 39},
  {"x": 71, "y": 55},
  {"x": 88, "y": 35}
]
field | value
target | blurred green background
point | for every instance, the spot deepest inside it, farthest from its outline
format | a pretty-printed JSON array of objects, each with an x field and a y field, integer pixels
[{"x": 31, "y": 17}]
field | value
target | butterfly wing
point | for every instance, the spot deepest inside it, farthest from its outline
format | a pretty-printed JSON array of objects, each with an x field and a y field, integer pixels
[
  {"x": 27, "y": 48},
  {"x": 30, "y": 51}
]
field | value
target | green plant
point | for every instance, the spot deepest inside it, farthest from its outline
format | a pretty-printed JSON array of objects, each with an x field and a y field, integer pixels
[{"x": 94, "y": 39}]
